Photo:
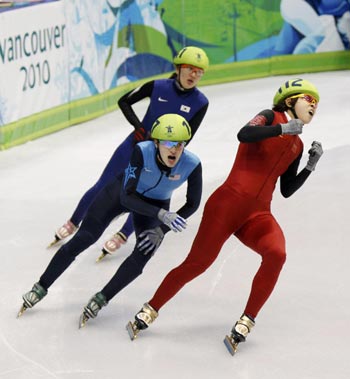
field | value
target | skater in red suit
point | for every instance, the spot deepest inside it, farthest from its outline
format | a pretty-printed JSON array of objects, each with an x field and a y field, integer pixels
[{"x": 269, "y": 149}]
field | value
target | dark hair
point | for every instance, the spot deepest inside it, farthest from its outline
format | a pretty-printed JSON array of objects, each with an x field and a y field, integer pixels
[{"x": 283, "y": 107}]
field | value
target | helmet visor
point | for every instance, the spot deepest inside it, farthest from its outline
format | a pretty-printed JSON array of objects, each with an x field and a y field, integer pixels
[
  {"x": 310, "y": 99},
  {"x": 171, "y": 144},
  {"x": 192, "y": 70}
]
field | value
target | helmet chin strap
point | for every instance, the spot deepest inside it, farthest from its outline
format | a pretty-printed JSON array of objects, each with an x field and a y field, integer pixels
[
  {"x": 178, "y": 84},
  {"x": 159, "y": 157},
  {"x": 294, "y": 113},
  {"x": 292, "y": 109},
  {"x": 161, "y": 164}
]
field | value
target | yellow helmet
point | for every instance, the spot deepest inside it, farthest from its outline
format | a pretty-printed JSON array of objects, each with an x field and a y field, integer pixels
[
  {"x": 293, "y": 87},
  {"x": 171, "y": 127},
  {"x": 192, "y": 55}
]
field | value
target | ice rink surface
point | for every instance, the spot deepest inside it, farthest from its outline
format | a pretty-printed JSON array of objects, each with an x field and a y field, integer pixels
[{"x": 303, "y": 330}]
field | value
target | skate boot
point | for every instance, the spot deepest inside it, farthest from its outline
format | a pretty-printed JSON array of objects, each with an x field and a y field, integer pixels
[
  {"x": 239, "y": 333},
  {"x": 92, "y": 308},
  {"x": 32, "y": 297},
  {"x": 63, "y": 232},
  {"x": 143, "y": 320},
  {"x": 113, "y": 245}
]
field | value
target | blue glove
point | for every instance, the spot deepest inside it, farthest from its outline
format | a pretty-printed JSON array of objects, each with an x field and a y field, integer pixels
[
  {"x": 315, "y": 153},
  {"x": 149, "y": 240},
  {"x": 171, "y": 219}
]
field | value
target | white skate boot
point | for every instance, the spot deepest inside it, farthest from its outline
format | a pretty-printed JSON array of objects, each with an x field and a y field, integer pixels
[
  {"x": 63, "y": 232},
  {"x": 239, "y": 333},
  {"x": 143, "y": 320},
  {"x": 112, "y": 245}
]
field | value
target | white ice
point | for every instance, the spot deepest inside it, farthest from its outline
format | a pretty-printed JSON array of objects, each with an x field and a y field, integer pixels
[{"x": 303, "y": 330}]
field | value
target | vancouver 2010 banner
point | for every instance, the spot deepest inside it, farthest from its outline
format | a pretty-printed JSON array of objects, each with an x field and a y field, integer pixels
[{"x": 56, "y": 52}]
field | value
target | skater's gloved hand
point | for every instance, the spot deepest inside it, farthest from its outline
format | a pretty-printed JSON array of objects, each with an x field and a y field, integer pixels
[
  {"x": 315, "y": 153},
  {"x": 171, "y": 219},
  {"x": 140, "y": 135},
  {"x": 294, "y": 126},
  {"x": 149, "y": 240}
]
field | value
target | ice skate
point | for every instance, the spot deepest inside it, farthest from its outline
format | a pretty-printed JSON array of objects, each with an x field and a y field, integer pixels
[
  {"x": 143, "y": 319},
  {"x": 92, "y": 308},
  {"x": 238, "y": 333},
  {"x": 32, "y": 297},
  {"x": 63, "y": 232},
  {"x": 112, "y": 245}
]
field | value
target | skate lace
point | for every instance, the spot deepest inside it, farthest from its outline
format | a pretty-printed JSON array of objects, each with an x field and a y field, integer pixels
[
  {"x": 95, "y": 305},
  {"x": 244, "y": 325},
  {"x": 94, "y": 308},
  {"x": 147, "y": 314},
  {"x": 66, "y": 230},
  {"x": 35, "y": 295},
  {"x": 114, "y": 243}
]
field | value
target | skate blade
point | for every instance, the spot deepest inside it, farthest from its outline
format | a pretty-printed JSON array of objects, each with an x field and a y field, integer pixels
[
  {"x": 22, "y": 310},
  {"x": 54, "y": 242},
  {"x": 231, "y": 345},
  {"x": 102, "y": 256},
  {"x": 82, "y": 320},
  {"x": 132, "y": 330}
]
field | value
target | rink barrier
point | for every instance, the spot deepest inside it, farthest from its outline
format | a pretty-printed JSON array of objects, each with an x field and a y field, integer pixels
[{"x": 76, "y": 112}]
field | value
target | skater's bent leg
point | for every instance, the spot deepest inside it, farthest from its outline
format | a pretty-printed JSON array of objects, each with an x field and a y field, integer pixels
[
  {"x": 264, "y": 236},
  {"x": 128, "y": 271},
  {"x": 89, "y": 233},
  {"x": 115, "y": 165},
  {"x": 85, "y": 203},
  {"x": 128, "y": 227},
  {"x": 105, "y": 207},
  {"x": 89, "y": 197},
  {"x": 205, "y": 248}
]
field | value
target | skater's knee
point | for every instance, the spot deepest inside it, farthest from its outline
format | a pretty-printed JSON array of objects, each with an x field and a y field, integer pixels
[
  {"x": 276, "y": 255},
  {"x": 139, "y": 259}
]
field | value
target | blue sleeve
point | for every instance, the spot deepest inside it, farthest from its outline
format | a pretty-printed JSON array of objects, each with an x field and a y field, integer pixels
[{"x": 129, "y": 196}]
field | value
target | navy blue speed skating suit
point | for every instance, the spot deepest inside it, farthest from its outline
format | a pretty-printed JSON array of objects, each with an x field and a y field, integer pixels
[
  {"x": 165, "y": 97},
  {"x": 145, "y": 188}
]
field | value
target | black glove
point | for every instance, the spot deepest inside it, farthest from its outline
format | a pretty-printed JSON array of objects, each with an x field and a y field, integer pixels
[
  {"x": 149, "y": 240},
  {"x": 315, "y": 153},
  {"x": 140, "y": 135}
]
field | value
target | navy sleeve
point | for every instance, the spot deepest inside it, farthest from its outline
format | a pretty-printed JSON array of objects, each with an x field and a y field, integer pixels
[
  {"x": 196, "y": 120},
  {"x": 125, "y": 102},
  {"x": 253, "y": 132},
  {"x": 193, "y": 194},
  {"x": 128, "y": 196},
  {"x": 290, "y": 181}
]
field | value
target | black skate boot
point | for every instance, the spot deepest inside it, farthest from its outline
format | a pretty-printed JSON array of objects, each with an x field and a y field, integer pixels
[
  {"x": 239, "y": 333},
  {"x": 32, "y": 297},
  {"x": 143, "y": 320},
  {"x": 92, "y": 308}
]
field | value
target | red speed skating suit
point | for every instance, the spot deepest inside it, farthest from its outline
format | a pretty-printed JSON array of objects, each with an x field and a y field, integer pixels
[{"x": 241, "y": 206}]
